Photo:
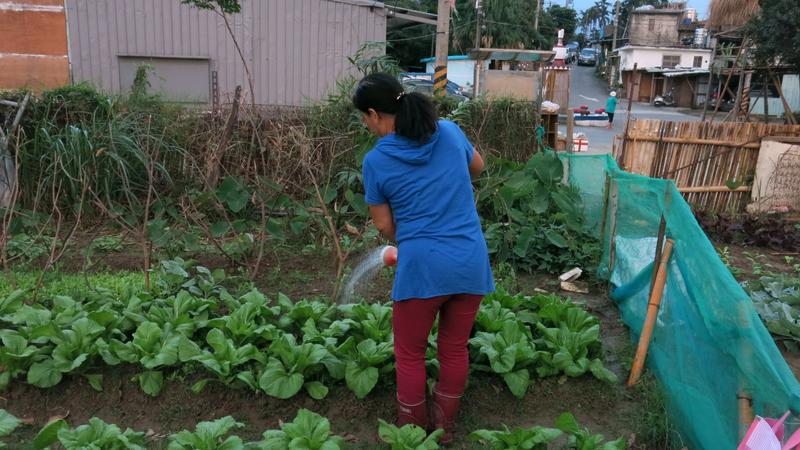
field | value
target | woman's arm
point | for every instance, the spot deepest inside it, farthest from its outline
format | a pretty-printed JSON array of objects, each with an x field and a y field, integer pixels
[
  {"x": 476, "y": 166},
  {"x": 384, "y": 220}
]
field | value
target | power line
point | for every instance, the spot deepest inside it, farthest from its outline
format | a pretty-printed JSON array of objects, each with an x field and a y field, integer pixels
[{"x": 431, "y": 34}]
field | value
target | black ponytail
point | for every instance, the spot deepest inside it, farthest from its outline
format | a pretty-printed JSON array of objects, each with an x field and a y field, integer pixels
[{"x": 415, "y": 113}]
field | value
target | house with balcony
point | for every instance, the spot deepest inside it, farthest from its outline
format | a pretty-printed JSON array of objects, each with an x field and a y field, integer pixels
[{"x": 668, "y": 49}]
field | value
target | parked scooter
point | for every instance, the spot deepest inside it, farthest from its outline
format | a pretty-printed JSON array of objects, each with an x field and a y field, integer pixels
[{"x": 667, "y": 99}]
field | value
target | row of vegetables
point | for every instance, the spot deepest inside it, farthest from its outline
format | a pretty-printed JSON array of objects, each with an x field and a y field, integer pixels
[
  {"x": 277, "y": 347},
  {"x": 308, "y": 431}
]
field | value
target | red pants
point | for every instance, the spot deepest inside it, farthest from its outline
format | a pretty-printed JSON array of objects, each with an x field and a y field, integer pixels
[{"x": 412, "y": 321}]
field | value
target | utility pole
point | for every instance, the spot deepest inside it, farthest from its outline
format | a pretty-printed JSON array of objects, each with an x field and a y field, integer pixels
[
  {"x": 536, "y": 19},
  {"x": 442, "y": 47},
  {"x": 612, "y": 73},
  {"x": 479, "y": 62}
]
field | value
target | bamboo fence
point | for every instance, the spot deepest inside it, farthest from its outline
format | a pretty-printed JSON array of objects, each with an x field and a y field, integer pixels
[
  {"x": 556, "y": 86},
  {"x": 712, "y": 163}
]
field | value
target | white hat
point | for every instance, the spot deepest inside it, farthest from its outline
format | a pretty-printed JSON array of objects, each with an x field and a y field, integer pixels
[{"x": 613, "y": 94}]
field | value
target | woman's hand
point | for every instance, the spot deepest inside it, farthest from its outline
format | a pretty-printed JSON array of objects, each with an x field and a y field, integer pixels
[{"x": 384, "y": 220}]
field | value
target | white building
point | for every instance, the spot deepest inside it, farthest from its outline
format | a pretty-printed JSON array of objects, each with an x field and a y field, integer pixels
[{"x": 664, "y": 57}]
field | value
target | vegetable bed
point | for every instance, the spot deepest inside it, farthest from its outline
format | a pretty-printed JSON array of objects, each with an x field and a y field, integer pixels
[{"x": 198, "y": 350}]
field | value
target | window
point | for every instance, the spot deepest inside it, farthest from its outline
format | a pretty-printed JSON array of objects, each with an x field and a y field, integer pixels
[
  {"x": 651, "y": 24},
  {"x": 670, "y": 60},
  {"x": 698, "y": 61}
]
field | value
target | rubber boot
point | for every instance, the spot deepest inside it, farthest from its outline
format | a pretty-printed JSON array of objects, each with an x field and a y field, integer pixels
[
  {"x": 414, "y": 414},
  {"x": 445, "y": 410}
]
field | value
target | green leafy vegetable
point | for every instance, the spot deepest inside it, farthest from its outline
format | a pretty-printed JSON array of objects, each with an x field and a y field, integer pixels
[
  {"x": 509, "y": 352},
  {"x": 533, "y": 438},
  {"x": 582, "y": 438},
  {"x": 211, "y": 435},
  {"x": 408, "y": 437},
  {"x": 308, "y": 431},
  {"x": 291, "y": 367},
  {"x": 100, "y": 435},
  {"x": 365, "y": 362},
  {"x": 8, "y": 424}
]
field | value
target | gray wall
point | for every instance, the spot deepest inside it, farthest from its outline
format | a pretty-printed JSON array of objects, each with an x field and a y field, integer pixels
[
  {"x": 664, "y": 32},
  {"x": 296, "y": 49}
]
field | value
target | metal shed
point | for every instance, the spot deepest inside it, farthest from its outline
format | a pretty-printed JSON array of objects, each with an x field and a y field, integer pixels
[{"x": 296, "y": 49}]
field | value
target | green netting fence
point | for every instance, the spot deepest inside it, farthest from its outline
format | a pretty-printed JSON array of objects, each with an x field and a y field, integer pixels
[{"x": 709, "y": 344}]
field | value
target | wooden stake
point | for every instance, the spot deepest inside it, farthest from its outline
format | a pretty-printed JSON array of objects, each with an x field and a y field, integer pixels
[
  {"x": 631, "y": 89},
  {"x": 787, "y": 110},
  {"x": 662, "y": 231},
  {"x": 606, "y": 196},
  {"x": 746, "y": 414},
  {"x": 614, "y": 201},
  {"x": 570, "y": 128},
  {"x": 653, "y": 304}
]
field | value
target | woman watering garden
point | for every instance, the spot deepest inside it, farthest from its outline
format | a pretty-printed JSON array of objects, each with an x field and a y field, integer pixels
[{"x": 418, "y": 186}]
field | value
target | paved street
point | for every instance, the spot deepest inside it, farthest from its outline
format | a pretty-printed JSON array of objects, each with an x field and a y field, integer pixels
[{"x": 587, "y": 89}]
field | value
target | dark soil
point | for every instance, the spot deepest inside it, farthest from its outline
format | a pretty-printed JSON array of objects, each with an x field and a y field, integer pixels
[
  {"x": 612, "y": 410},
  {"x": 487, "y": 403},
  {"x": 749, "y": 260}
]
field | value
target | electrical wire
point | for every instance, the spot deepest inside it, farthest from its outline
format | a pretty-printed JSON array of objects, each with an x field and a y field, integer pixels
[{"x": 457, "y": 27}]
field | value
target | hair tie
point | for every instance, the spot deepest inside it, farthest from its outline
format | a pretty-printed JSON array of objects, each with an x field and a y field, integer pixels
[{"x": 400, "y": 96}]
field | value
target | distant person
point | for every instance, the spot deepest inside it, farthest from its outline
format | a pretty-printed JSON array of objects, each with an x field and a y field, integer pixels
[
  {"x": 417, "y": 183},
  {"x": 611, "y": 107}
]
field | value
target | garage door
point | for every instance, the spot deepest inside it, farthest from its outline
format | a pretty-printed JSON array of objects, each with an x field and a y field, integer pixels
[{"x": 182, "y": 80}]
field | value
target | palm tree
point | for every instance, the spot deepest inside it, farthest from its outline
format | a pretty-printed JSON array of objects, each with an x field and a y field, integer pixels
[
  {"x": 603, "y": 11},
  {"x": 589, "y": 19}
]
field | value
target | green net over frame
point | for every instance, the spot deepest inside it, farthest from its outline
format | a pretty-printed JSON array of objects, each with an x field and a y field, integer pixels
[{"x": 708, "y": 344}]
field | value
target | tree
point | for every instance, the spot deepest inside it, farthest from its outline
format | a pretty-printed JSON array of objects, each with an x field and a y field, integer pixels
[
  {"x": 603, "y": 11},
  {"x": 506, "y": 24},
  {"x": 223, "y": 8},
  {"x": 774, "y": 30},
  {"x": 226, "y": 6},
  {"x": 411, "y": 43},
  {"x": 566, "y": 18}
]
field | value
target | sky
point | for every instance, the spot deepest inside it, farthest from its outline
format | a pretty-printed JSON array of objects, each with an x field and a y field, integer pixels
[{"x": 700, "y": 5}]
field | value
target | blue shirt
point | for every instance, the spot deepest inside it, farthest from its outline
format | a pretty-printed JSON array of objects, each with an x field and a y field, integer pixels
[
  {"x": 441, "y": 248},
  {"x": 611, "y": 104}
]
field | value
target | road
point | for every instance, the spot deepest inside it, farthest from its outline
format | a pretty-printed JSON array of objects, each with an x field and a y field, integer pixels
[{"x": 587, "y": 89}]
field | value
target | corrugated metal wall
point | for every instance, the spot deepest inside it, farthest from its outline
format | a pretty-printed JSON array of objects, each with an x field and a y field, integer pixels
[{"x": 296, "y": 49}]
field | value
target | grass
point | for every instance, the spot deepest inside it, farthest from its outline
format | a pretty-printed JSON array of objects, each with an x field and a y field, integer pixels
[
  {"x": 70, "y": 284},
  {"x": 653, "y": 426}
]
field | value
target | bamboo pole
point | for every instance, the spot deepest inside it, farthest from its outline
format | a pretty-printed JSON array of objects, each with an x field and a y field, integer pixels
[
  {"x": 614, "y": 201},
  {"x": 787, "y": 110},
  {"x": 728, "y": 80},
  {"x": 744, "y": 396},
  {"x": 698, "y": 141},
  {"x": 689, "y": 189},
  {"x": 662, "y": 231},
  {"x": 653, "y": 304},
  {"x": 746, "y": 414},
  {"x": 631, "y": 89}
]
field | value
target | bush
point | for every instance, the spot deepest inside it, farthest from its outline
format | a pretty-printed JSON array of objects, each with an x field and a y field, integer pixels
[
  {"x": 505, "y": 128},
  {"x": 534, "y": 222},
  {"x": 771, "y": 230}
]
